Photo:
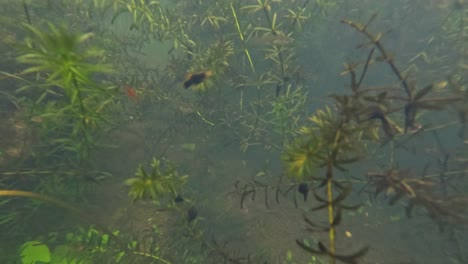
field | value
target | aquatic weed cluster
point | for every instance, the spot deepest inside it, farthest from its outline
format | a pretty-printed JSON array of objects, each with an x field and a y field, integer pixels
[{"x": 79, "y": 75}]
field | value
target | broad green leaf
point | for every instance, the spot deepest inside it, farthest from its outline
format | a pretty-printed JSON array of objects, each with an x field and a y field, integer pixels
[{"x": 34, "y": 251}]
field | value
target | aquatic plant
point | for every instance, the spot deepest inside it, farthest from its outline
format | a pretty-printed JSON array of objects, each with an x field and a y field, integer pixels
[
  {"x": 95, "y": 244},
  {"x": 337, "y": 141},
  {"x": 343, "y": 134},
  {"x": 277, "y": 79},
  {"x": 64, "y": 108},
  {"x": 68, "y": 72},
  {"x": 89, "y": 245},
  {"x": 156, "y": 21},
  {"x": 162, "y": 180},
  {"x": 267, "y": 112}
]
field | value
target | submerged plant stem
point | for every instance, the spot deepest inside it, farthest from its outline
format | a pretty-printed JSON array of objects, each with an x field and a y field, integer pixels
[
  {"x": 241, "y": 36},
  {"x": 331, "y": 232},
  {"x": 26, "y": 12}
]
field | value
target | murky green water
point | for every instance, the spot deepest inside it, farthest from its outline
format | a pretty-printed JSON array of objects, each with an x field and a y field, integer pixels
[{"x": 309, "y": 132}]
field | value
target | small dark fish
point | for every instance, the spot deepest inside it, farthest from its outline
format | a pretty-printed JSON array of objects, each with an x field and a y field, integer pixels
[
  {"x": 192, "y": 214},
  {"x": 303, "y": 188},
  {"x": 377, "y": 115},
  {"x": 178, "y": 199},
  {"x": 196, "y": 78}
]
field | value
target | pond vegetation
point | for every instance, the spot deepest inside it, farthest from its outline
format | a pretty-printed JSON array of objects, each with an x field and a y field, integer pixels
[{"x": 146, "y": 131}]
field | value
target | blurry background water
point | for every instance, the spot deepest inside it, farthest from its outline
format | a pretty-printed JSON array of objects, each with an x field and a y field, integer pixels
[{"x": 80, "y": 113}]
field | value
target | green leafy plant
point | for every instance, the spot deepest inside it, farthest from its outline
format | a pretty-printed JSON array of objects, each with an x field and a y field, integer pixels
[
  {"x": 67, "y": 111},
  {"x": 86, "y": 245},
  {"x": 287, "y": 110},
  {"x": 89, "y": 245},
  {"x": 33, "y": 252},
  {"x": 66, "y": 70},
  {"x": 155, "y": 185}
]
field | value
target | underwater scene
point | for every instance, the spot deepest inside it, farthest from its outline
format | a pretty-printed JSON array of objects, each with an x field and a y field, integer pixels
[{"x": 234, "y": 131}]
